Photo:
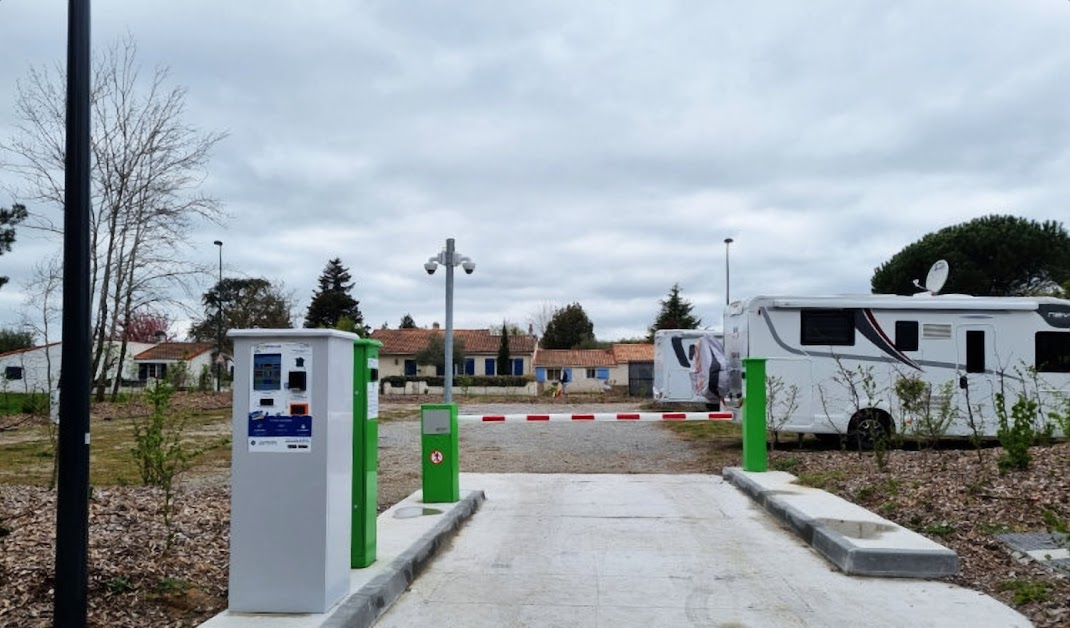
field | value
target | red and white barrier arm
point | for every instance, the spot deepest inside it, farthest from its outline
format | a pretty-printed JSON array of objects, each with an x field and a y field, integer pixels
[{"x": 599, "y": 416}]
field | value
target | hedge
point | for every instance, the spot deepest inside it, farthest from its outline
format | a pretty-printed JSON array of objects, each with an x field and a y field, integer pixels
[{"x": 490, "y": 381}]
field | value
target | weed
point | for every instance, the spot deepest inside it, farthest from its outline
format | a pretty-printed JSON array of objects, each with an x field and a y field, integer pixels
[
  {"x": 864, "y": 493},
  {"x": 785, "y": 464},
  {"x": 993, "y": 528},
  {"x": 821, "y": 479},
  {"x": 173, "y": 586},
  {"x": 888, "y": 507},
  {"x": 939, "y": 528},
  {"x": 120, "y": 584},
  {"x": 1025, "y": 591}
]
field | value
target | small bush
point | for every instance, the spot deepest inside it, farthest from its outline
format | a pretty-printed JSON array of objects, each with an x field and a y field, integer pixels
[
  {"x": 1016, "y": 434},
  {"x": 785, "y": 464},
  {"x": 120, "y": 584}
]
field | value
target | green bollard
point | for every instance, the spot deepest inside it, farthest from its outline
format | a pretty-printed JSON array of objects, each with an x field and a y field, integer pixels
[
  {"x": 362, "y": 546},
  {"x": 439, "y": 450},
  {"x": 754, "y": 437}
]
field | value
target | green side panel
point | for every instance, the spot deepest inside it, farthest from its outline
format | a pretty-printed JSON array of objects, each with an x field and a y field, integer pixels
[
  {"x": 362, "y": 551},
  {"x": 754, "y": 435},
  {"x": 439, "y": 451}
]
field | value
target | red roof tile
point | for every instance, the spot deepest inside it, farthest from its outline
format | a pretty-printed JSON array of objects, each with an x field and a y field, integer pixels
[
  {"x": 175, "y": 351},
  {"x": 574, "y": 357},
  {"x": 633, "y": 352},
  {"x": 411, "y": 341}
]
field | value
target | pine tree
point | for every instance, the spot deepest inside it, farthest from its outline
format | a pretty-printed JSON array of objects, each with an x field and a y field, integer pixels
[
  {"x": 675, "y": 313},
  {"x": 332, "y": 302},
  {"x": 504, "y": 362},
  {"x": 8, "y": 219}
]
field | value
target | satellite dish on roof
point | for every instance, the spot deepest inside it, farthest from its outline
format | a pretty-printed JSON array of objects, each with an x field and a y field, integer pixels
[{"x": 936, "y": 278}]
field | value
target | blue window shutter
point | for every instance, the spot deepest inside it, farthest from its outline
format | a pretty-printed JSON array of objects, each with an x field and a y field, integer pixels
[
  {"x": 439, "y": 371},
  {"x": 540, "y": 374},
  {"x": 518, "y": 366},
  {"x": 469, "y": 366},
  {"x": 488, "y": 366},
  {"x": 570, "y": 377},
  {"x": 603, "y": 373},
  {"x": 410, "y": 367}
]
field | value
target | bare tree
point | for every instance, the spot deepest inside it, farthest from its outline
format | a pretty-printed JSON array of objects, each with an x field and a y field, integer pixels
[
  {"x": 147, "y": 167},
  {"x": 541, "y": 317}
]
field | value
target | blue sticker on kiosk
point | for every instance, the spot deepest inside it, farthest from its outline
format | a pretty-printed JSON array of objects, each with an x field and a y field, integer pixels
[{"x": 279, "y": 433}]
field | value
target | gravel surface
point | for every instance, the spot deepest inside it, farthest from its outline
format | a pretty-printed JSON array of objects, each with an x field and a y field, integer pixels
[{"x": 539, "y": 447}]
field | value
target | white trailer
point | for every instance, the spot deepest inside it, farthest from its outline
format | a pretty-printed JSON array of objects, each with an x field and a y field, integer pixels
[
  {"x": 689, "y": 367},
  {"x": 850, "y": 364}
]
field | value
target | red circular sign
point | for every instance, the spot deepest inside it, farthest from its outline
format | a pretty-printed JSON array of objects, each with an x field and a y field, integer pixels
[{"x": 436, "y": 456}]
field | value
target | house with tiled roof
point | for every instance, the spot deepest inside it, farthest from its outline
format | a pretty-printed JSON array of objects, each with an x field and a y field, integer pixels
[
  {"x": 397, "y": 356},
  {"x": 33, "y": 369},
  {"x": 592, "y": 370},
  {"x": 158, "y": 361}
]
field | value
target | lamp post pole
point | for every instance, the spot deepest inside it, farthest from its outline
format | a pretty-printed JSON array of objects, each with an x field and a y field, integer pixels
[
  {"x": 727, "y": 276},
  {"x": 219, "y": 323},
  {"x": 449, "y": 258},
  {"x": 72, "y": 484},
  {"x": 447, "y": 391}
]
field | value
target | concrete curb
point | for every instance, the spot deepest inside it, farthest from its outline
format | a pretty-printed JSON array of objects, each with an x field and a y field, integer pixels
[
  {"x": 854, "y": 539},
  {"x": 364, "y": 606}
]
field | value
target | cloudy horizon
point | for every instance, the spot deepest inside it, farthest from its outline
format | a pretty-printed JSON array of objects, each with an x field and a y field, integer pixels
[{"x": 595, "y": 154}]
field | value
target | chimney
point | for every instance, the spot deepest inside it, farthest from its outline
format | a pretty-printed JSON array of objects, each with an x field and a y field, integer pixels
[{"x": 434, "y": 325}]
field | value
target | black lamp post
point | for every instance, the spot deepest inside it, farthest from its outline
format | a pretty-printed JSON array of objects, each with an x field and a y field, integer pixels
[{"x": 219, "y": 323}]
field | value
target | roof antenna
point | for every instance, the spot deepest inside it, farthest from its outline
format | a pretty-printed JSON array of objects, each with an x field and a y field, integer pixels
[{"x": 935, "y": 280}]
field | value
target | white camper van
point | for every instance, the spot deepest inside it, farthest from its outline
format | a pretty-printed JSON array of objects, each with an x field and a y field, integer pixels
[
  {"x": 842, "y": 358},
  {"x": 689, "y": 367}
]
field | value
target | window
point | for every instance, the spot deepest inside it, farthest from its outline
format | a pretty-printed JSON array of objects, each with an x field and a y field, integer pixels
[
  {"x": 13, "y": 372},
  {"x": 827, "y": 327},
  {"x": 410, "y": 368},
  {"x": 151, "y": 370},
  {"x": 1052, "y": 351},
  {"x": 518, "y": 366},
  {"x": 906, "y": 335},
  {"x": 440, "y": 371},
  {"x": 488, "y": 366},
  {"x": 553, "y": 374},
  {"x": 469, "y": 366},
  {"x": 975, "y": 351},
  {"x": 592, "y": 373}
]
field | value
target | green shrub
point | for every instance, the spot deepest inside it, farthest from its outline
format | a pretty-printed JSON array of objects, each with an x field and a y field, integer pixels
[
  {"x": 1015, "y": 434},
  {"x": 1025, "y": 591}
]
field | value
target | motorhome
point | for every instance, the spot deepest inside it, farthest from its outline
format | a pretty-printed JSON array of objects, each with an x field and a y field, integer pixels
[
  {"x": 846, "y": 365},
  {"x": 689, "y": 367}
]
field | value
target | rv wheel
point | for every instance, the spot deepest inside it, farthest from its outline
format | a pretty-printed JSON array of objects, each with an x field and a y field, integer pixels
[{"x": 869, "y": 427}]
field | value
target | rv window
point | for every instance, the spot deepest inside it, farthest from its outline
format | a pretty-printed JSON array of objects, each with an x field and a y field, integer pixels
[
  {"x": 1053, "y": 351},
  {"x": 827, "y": 327},
  {"x": 906, "y": 335},
  {"x": 13, "y": 372},
  {"x": 975, "y": 351}
]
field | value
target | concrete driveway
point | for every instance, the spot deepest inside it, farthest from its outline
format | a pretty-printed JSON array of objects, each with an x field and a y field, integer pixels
[{"x": 654, "y": 550}]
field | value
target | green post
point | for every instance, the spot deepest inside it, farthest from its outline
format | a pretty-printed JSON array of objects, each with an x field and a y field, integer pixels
[
  {"x": 754, "y": 438},
  {"x": 365, "y": 451},
  {"x": 439, "y": 451}
]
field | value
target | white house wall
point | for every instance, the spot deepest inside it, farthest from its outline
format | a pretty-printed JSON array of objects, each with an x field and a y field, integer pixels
[{"x": 35, "y": 362}]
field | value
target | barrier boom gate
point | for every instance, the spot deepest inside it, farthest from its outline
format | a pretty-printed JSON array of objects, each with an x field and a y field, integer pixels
[{"x": 598, "y": 416}]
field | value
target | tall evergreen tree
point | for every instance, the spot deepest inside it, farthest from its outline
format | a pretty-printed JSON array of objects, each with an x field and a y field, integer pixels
[
  {"x": 504, "y": 360},
  {"x": 675, "y": 313},
  {"x": 332, "y": 301},
  {"x": 407, "y": 322},
  {"x": 8, "y": 219}
]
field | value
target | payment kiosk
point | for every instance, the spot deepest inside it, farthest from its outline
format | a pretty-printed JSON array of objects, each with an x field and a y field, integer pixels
[{"x": 292, "y": 469}]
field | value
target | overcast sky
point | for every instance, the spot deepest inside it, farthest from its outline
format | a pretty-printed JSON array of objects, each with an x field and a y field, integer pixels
[{"x": 593, "y": 152}]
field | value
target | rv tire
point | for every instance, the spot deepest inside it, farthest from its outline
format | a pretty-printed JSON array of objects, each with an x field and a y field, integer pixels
[{"x": 868, "y": 427}]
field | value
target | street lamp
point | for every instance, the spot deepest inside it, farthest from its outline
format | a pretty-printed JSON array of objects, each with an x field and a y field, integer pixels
[
  {"x": 219, "y": 323},
  {"x": 727, "y": 300},
  {"x": 449, "y": 258}
]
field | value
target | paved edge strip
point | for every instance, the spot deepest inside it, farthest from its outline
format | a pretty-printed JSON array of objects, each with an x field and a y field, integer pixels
[
  {"x": 366, "y": 605},
  {"x": 842, "y": 551}
]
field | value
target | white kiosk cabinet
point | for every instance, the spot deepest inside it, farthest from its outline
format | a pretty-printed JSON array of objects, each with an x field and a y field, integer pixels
[{"x": 291, "y": 471}]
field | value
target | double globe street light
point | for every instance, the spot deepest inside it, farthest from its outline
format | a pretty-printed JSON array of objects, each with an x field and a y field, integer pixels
[{"x": 449, "y": 258}]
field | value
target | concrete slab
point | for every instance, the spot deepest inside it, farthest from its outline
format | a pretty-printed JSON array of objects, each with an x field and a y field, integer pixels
[
  {"x": 654, "y": 550},
  {"x": 854, "y": 539},
  {"x": 409, "y": 535}
]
